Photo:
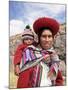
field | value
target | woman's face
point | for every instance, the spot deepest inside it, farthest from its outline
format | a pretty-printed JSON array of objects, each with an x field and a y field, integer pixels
[{"x": 46, "y": 39}]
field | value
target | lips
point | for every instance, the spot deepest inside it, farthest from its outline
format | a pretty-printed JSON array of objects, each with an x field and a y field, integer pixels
[{"x": 46, "y": 44}]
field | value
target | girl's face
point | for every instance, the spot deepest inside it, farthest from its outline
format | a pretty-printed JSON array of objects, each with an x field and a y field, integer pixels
[
  {"x": 28, "y": 41},
  {"x": 46, "y": 39}
]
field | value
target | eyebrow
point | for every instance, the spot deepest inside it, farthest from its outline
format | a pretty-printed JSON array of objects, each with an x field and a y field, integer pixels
[{"x": 47, "y": 35}]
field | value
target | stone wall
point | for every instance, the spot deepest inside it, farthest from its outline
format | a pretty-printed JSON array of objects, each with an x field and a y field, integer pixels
[{"x": 60, "y": 42}]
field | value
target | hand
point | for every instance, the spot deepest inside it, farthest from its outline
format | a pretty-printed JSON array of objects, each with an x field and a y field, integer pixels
[
  {"x": 47, "y": 58},
  {"x": 54, "y": 56},
  {"x": 17, "y": 70},
  {"x": 53, "y": 53}
]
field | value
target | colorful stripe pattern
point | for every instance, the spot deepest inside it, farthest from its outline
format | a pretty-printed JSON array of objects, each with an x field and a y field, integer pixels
[{"x": 31, "y": 54}]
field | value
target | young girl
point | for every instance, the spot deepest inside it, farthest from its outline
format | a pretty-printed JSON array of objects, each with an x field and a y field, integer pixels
[{"x": 28, "y": 39}]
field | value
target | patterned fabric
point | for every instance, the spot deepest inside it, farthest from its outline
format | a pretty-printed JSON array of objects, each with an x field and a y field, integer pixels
[
  {"x": 35, "y": 75},
  {"x": 32, "y": 53}
]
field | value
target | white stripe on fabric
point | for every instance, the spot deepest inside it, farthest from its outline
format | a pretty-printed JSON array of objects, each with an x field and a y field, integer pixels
[{"x": 28, "y": 58}]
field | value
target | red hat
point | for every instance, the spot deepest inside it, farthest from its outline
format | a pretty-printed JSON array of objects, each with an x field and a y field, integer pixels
[{"x": 50, "y": 23}]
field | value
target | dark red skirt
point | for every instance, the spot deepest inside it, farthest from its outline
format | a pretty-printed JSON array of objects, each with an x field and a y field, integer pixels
[
  {"x": 59, "y": 79},
  {"x": 25, "y": 78}
]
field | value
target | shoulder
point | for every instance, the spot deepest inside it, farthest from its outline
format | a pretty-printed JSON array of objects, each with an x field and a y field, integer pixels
[
  {"x": 31, "y": 47},
  {"x": 21, "y": 46}
]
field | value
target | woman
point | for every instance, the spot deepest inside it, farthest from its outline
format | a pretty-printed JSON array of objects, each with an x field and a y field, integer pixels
[{"x": 43, "y": 58}]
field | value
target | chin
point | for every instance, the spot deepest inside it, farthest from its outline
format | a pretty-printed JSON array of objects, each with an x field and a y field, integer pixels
[{"x": 46, "y": 48}]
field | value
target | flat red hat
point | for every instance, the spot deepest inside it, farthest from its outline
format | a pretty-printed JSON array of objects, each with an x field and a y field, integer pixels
[{"x": 50, "y": 23}]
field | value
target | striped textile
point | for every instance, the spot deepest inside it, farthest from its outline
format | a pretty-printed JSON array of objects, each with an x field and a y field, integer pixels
[{"x": 32, "y": 53}]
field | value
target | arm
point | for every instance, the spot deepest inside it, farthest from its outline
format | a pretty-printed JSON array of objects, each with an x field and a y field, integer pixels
[
  {"x": 18, "y": 54},
  {"x": 17, "y": 58},
  {"x": 54, "y": 65}
]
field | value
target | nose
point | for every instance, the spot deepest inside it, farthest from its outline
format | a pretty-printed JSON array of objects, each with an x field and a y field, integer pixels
[
  {"x": 29, "y": 40},
  {"x": 47, "y": 39}
]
